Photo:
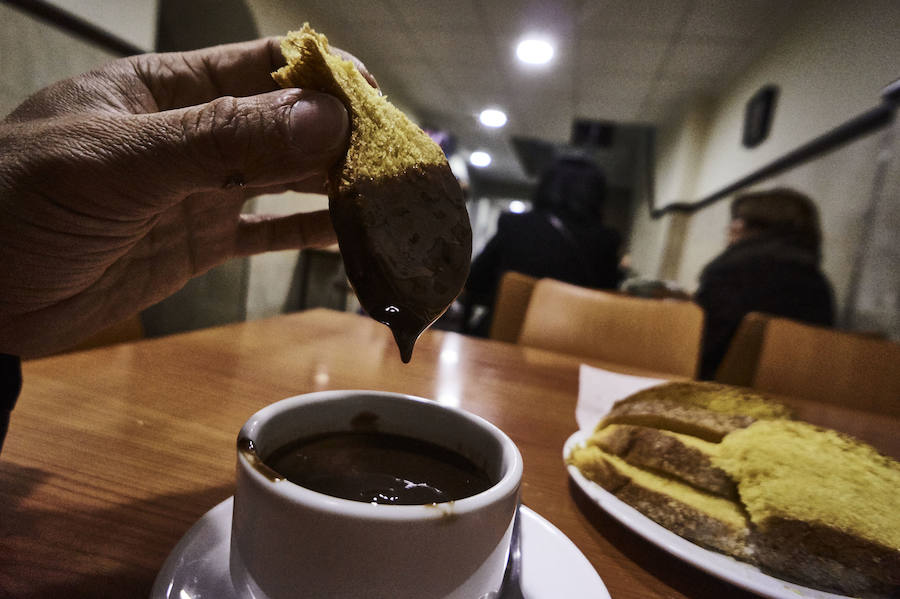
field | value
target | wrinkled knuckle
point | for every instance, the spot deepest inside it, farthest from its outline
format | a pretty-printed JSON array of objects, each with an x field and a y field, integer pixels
[{"x": 216, "y": 129}]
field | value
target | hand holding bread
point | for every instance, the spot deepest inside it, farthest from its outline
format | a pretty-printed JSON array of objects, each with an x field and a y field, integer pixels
[
  {"x": 121, "y": 184},
  {"x": 398, "y": 210}
]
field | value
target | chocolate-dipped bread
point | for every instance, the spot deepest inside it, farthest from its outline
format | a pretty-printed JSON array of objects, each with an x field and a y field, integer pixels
[{"x": 397, "y": 208}]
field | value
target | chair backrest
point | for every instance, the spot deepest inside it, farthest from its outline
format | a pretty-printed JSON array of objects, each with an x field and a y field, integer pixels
[
  {"x": 658, "y": 335},
  {"x": 828, "y": 365},
  {"x": 513, "y": 295},
  {"x": 738, "y": 366}
]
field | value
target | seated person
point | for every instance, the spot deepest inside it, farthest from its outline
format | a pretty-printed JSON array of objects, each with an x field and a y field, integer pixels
[
  {"x": 563, "y": 238},
  {"x": 771, "y": 265}
]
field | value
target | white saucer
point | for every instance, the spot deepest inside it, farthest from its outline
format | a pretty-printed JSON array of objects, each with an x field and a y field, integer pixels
[{"x": 552, "y": 566}]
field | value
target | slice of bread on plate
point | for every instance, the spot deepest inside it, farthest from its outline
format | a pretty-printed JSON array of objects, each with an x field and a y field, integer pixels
[
  {"x": 823, "y": 506},
  {"x": 705, "y": 519},
  {"x": 705, "y": 410},
  {"x": 682, "y": 457}
]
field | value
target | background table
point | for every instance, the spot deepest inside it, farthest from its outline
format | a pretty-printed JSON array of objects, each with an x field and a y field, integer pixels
[{"x": 115, "y": 452}]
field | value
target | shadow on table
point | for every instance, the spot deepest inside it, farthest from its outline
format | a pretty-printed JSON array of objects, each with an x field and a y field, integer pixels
[
  {"x": 663, "y": 566},
  {"x": 111, "y": 552}
]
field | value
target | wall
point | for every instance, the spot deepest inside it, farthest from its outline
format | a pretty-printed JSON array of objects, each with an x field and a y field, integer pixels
[
  {"x": 272, "y": 287},
  {"x": 829, "y": 67},
  {"x": 34, "y": 55},
  {"x": 130, "y": 20}
]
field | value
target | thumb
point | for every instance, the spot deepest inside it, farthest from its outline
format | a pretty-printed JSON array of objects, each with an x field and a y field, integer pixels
[{"x": 276, "y": 138}]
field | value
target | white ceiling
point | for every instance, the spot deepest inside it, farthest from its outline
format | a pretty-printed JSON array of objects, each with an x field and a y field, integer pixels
[{"x": 628, "y": 61}]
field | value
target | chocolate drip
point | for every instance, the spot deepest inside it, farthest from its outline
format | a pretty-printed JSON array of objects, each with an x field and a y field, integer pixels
[{"x": 406, "y": 244}]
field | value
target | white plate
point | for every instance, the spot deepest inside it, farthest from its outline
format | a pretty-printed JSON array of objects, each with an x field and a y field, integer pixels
[
  {"x": 722, "y": 566},
  {"x": 197, "y": 568}
]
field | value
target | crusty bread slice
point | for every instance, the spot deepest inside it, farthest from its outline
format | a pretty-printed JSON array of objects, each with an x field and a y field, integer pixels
[
  {"x": 700, "y": 517},
  {"x": 705, "y": 410},
  {"x": 682, "y": 457},
  {"x": 397, "y": 208},
  {"x": 823, "y": 505}
]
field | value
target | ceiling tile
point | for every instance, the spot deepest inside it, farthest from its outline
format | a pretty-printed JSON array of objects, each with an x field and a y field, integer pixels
[
  {"x": 625, "y": 87},
  {"x": 384, "y": 45},
  {"x": 707, "y": 58},
  {"x": 620, "y": 55},
  {"x": 373, "y": 13},
  {"x": 627, "y": 17},
  {"x": 463, "y": 50},
  {"x": 458, "y": 15},
  {"x": 734, "y": 19},
  {"x": 520, "y": 17},
  {"x": 608, "y": 108}
]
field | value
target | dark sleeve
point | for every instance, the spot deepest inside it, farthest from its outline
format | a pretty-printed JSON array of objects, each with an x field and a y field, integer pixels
[
  {"x": 484, "y": 276},
  {"x": 724, "y": 296},
  {"x": 610, "y": 270},
  {"x": 10, "y": 386}
]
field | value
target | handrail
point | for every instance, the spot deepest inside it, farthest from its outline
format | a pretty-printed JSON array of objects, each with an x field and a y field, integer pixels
[
  {"x": 64, "y": 20},
  {"x": 856, "y": 127}
]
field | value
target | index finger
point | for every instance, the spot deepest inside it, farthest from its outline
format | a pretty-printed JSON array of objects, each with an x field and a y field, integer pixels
[{"x": 181, "y": 79}]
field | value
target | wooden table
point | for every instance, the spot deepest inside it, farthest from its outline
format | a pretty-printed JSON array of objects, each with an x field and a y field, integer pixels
[{"x": 113, "y": 453}]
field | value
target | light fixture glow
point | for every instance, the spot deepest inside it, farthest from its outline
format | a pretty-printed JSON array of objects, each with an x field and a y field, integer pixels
[
  {"x": 479, "y": 158},
  {"x": 534, "y": 51},
  {"x": 517, "y": 206},
  {"x": 491, "y": 117}
]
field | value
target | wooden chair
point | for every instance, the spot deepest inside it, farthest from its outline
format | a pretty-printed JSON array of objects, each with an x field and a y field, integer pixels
[
  {"x": 513, "y": 295},
  {"x": 828, "y": 365},
  {"x": 659, "y": 335}
]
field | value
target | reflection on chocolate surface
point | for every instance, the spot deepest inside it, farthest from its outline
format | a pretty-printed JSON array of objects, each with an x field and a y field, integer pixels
[{"x": 378, "y": 468}]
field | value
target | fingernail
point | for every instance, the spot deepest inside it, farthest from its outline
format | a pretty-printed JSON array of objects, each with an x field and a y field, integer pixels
[{"x": 319, "y": 122}]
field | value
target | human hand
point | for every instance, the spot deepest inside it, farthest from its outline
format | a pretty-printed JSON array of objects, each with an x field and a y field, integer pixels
[{"x": 118, "y": 186}]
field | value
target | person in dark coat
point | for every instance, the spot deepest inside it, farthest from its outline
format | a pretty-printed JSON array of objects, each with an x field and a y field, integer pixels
[
  {"x": 563, "y": 237},
  {"x": 771, "y": 265}
]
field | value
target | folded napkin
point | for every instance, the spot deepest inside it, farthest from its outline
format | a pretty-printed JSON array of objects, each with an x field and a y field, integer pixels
[{"x": 599, "y": 389}]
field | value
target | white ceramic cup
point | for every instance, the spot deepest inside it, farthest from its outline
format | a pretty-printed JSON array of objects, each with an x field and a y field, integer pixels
[{"x": 288, "y": 542}]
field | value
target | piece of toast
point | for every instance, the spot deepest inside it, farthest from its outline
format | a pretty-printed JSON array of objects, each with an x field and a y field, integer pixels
[
  {"x": 823, "y": 505},
  {"x": 682, "y": 457},
  {"x": 703, "y": 518},
  {"x": 397, "y": 208},
  {"x": 705, "y": 410}
]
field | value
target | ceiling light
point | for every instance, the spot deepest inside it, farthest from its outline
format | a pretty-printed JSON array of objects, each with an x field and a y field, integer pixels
[
  {"x": 491, "y": 117},
  {"x": 534, "y": 51},
  {"x": 479, "y": 158},
  {"x": 517, "y": 207}
]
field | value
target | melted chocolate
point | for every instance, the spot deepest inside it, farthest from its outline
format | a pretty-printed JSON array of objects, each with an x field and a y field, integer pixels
[
  {"x": 406, "y": 244},
  {"x": 378, "y": 468}
]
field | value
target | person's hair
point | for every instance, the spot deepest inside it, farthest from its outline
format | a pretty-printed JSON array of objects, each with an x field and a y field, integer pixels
[
  {"x": 573, "y": 187},
  {"x": 780, "y": 211}
]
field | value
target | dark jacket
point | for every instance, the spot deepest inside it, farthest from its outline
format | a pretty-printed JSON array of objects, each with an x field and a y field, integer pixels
[
  {"x": 763, "y": 274},
  {"x": 537, "y": 244}
]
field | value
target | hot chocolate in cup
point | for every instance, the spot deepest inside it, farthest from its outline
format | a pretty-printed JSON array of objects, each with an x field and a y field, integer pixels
[{"x": 404, "y": 533}]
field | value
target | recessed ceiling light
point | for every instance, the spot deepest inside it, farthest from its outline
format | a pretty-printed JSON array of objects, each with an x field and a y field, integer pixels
[
  {"x": 517, "y": 206},
  {"x": 491, "y": 117},
  {"x": 534, "y": 51},
  {"x": 479, "y": 158}
]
